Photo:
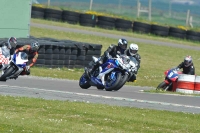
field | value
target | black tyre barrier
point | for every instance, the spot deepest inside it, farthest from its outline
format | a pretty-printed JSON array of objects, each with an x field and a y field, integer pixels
[
  {"x": 177, "y": 35},
  {"x": 87, "y": 20},
  {"x": 70, "y": 17},
  {"x": 42, "y": 56},
  {"x": 106, "y": 22},
  {"x": 159, "y": 30},
  {"x": 40, "y": 61},
  {"x": 194, "y": 38},
  {"x": 41, "y": 50},
  {"x": 193, "y": 35},
  {"x": 107, "y": 19},
  {"x": 124, "y": 25},
  {"x": 176, "y": 32},
  {"x": 141, "y": 27},
  {"x": 141, "y": 30},
  {"x": 53, "y": 14}
]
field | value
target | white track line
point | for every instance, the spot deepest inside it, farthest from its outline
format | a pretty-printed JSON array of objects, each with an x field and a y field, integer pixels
[{"x": 106, "y": 97}]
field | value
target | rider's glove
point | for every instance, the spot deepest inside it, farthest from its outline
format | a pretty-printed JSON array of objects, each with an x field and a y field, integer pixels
[{"x": 27, "y": 67}]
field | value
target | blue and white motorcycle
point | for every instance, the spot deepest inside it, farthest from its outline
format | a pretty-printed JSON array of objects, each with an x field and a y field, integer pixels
[
  {"x": 111, "y": 75},
  {"x": 16, "y": 65}
]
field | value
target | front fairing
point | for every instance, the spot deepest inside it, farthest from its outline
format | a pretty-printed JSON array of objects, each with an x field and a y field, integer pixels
[
  {"x": 172, "y": 74},
  {"x": 111, "y": 63},
  {"x": 106, "y": 68},
  {"x": 20, "y": 59}
]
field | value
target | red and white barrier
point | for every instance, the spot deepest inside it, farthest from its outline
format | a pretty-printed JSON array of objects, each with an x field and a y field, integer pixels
[
  {"x": 197, "y": 85},
  {"x": 186, "y": 83}
]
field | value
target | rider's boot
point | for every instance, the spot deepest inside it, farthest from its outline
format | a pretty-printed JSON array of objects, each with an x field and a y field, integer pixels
[{"x": 90, "y": 71}]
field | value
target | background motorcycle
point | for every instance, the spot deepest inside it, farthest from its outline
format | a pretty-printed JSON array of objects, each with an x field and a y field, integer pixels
[
  {"x": 171, "y": 77},
  {"x": 108, "y": 75},
  {"x": 15, "y": 67},
  {"x": 128, "y": 68}
]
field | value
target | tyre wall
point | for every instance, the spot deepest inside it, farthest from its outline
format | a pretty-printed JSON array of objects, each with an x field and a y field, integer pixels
[
  {"x": 62, "y": 53},
  {"x": 111, "y": 23}
]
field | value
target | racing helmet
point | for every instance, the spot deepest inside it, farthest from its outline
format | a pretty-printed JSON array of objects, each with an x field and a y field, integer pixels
[
  {"x": 35, "y": 46},
  {"x": 12, "y": 42},
  {"x": 133, "y": 48},
  {"x": 122, "y": 43},
  {"x": 187, "y": 61}
]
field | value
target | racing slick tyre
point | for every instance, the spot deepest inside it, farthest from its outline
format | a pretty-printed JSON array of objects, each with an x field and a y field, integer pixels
[
  {"x": 112, "y": 83},
  {"x": 122, "y": 81},
  {"x": 7, "y": 73},
  {"x": 162, "y": 86},
  {"x": 84, "y": 82}
]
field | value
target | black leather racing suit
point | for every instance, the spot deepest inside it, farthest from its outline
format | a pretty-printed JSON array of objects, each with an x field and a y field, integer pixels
[
  {"x": 187, "y": 70},
  {"x": 113, "y": 50}
]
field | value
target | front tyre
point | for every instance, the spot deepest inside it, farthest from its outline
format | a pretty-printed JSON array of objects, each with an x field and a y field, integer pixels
[
  {"x": 122, "y": 81},
  {"x": 112, "y": 81},
  {"x": 8, "y": 72},
  {"x": 84, "y": 82},
  {"x": 162, "y": 86}
]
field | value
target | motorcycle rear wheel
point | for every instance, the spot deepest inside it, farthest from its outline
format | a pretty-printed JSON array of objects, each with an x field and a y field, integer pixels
[
  {"x": 162, "y": 86},
  {"x": 8, "y": 72}
]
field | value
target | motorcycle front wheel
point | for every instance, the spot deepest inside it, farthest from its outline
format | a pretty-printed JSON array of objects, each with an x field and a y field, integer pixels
[
  {"x": 84, "y": 82},
  {"x": 112, "y": 81},
  {"x": 122, "y": 81},
  {"x": 162, "y": 86},
  {"x": 8, "y": 72}
]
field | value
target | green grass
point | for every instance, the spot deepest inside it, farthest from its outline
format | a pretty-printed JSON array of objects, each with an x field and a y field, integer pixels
[{"x": 18, "y": 115}]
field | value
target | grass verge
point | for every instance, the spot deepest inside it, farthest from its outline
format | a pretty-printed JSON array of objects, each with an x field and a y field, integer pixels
[{"x": 19, "y": 114}]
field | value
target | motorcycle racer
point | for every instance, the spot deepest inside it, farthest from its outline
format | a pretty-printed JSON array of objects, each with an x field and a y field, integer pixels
[
  {"x": 7, "y": 50},
  {"x": 187, "y": 65},
  {"x": 32, "y": 52},
  {"x": 133, "y": 51},
  {"x": 112, "y": 51}
]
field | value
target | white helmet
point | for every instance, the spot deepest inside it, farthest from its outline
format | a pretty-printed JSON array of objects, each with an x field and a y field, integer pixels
[{"x": 133, "y": 48}]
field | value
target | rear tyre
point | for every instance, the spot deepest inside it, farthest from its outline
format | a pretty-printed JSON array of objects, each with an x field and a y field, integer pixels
[
  {"x": 8, "y": 72},
  {"x": 84, "y": 82},
  {"x": 162, "y": 86}
]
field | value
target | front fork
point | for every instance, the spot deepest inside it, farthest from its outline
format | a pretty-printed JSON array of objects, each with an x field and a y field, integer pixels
[{"x": 169, "y": 85}]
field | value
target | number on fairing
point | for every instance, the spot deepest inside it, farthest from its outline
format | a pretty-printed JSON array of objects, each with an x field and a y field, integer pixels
[{"x": 170, "y": 74}]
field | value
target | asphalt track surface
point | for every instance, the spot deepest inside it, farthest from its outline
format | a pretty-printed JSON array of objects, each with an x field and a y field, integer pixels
[{"x": 131, "y": 96}]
